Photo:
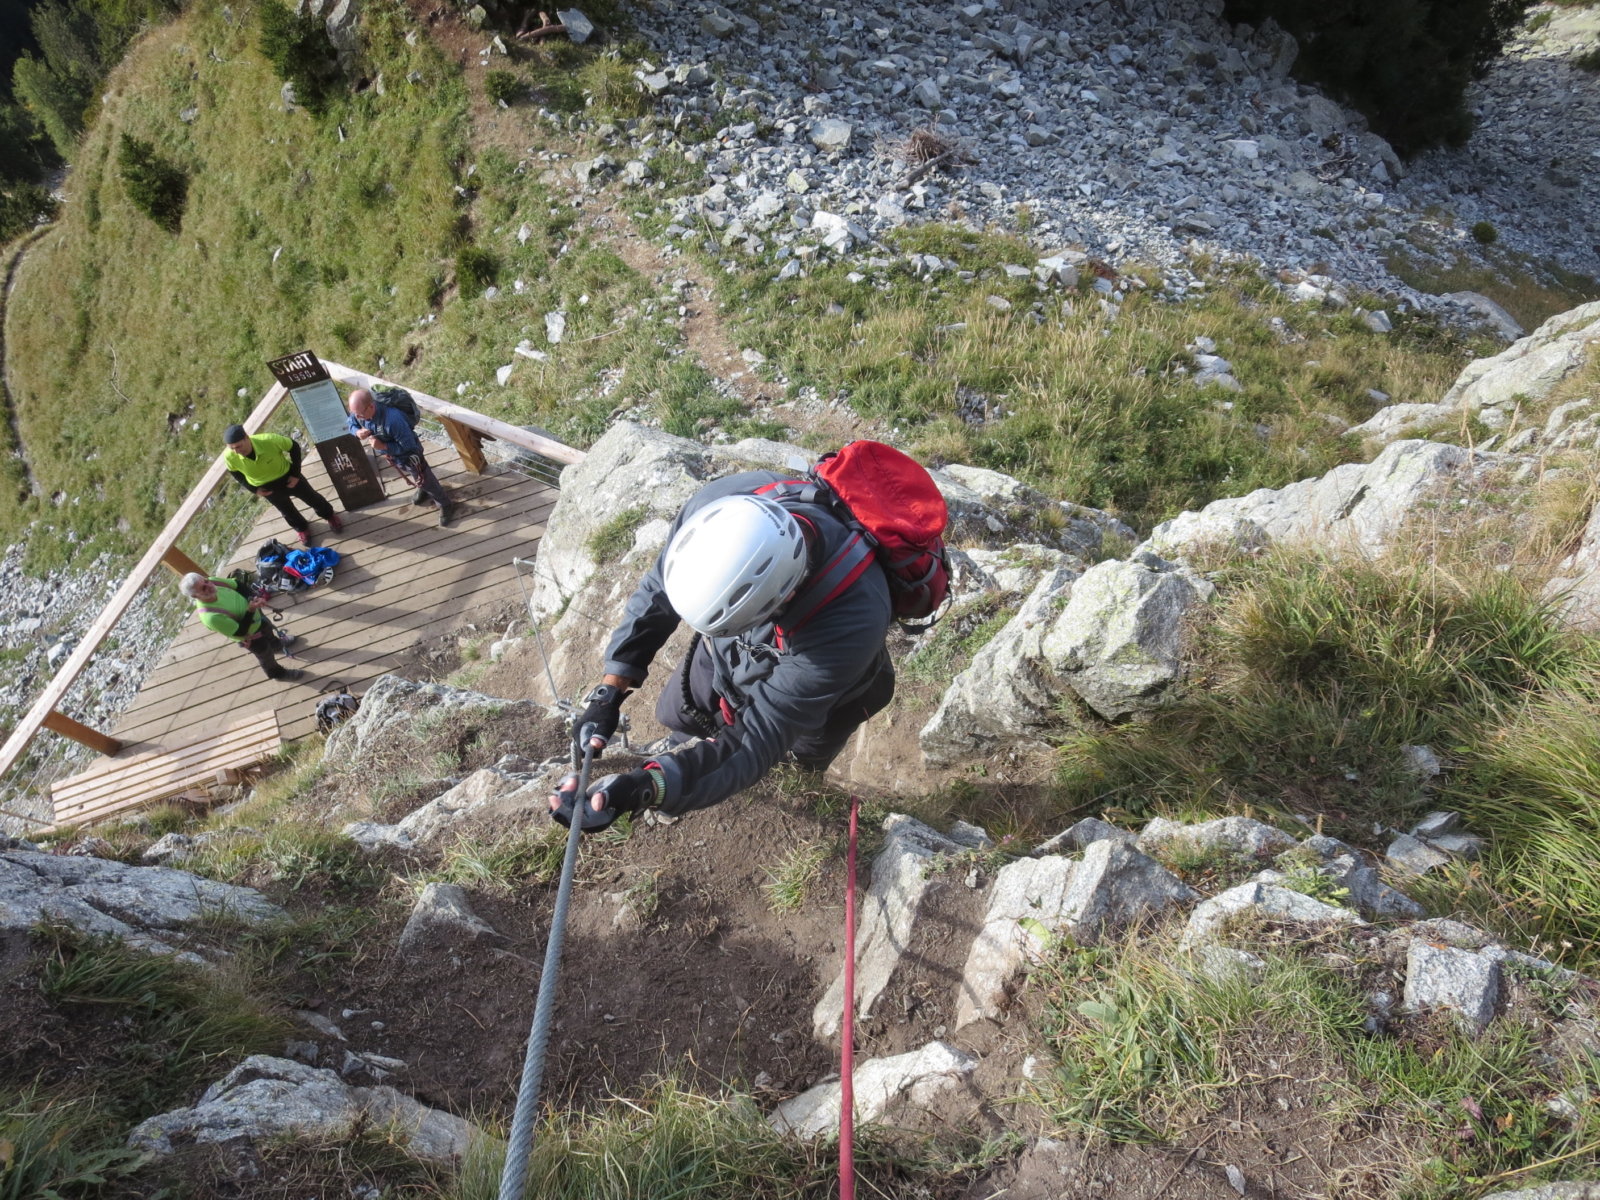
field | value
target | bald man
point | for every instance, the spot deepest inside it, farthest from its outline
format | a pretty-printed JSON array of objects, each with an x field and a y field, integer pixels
[{"x": 382, "y": 427}]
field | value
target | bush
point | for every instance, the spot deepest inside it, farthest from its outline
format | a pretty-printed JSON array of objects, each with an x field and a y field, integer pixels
[
  {"x": 158, "y": 188},
  {"x": 22, "y": 206},
  {"x": 1589, "y": 60},
  {"x": 503, "y": 87},
  {"x": 1405, "y": 64},
  {"x": 476, "y": 269},
  {"x": 1485, "y": 234},
  {"x": 297, "y": 46}
]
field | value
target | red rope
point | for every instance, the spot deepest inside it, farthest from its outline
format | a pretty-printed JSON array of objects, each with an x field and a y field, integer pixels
[{"x": 847, "y": 1048}]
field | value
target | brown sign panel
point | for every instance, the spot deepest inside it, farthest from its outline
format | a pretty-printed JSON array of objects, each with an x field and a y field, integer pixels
[
  {"x": 351, "y": 471},
  {"x": 297, "y": 370}
]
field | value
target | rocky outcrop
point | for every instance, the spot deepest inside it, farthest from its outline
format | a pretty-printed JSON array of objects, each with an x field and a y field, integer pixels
[
  {"x": 901, "y": 879},
  {"x": 490, "y": 792},
  {"x": 1117, "y": 644},
  {"x": 264, "y": 1098},
  {"x": 1007, "y": 694},
  {"x": 1036, "y": 900},
  {"x": 1110, "y": 636},
  {"x": 392, "y": 704},
  {"x": 1526, "y": 372},
  {"x": 1464, "y": 982},
  {"x": 1358, "y": 506},
  {"x": 145, "y": 906}
]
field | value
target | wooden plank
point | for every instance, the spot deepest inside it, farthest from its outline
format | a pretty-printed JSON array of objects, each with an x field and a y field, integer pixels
[
  {"x": 123, "y": 802},
  {"x": 468, "y": 444},
  {"x": 161, "y": 764},
  {"x": 58, "y": 722},
  {"x": 539, "y": 443},
  {"x": 198, "y": 766},
  {"x": 416, "y": 558},
  {"x": 341, "y": 657},
  {"x": 188, "y": 758},
  {"x": 102, "y": 625},
  {"x": 390, "y": 608},
  {"x": 259, "y": 725},
  {"x": 180, "y": 563}
]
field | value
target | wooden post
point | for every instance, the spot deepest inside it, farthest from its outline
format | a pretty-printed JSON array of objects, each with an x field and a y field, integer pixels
[
  {"x": 180, "y": 563},
  {"x": 60, "y": 723},
  {"x": 469, "y": 444}
]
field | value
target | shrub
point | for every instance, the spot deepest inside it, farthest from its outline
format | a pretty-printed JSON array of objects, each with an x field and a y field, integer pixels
[
  {"x": 1589, "y": 60},
  {"x": 22, "y": 206},
  {"x": 503, "y": 87},
  {"x": 1405, "y": 64},
  {"x": 1485, "y": 234},
  {"x": 158, "y": 188},
  {"x": 297, "y": 46},
  {"x": 476, "y": 269}
]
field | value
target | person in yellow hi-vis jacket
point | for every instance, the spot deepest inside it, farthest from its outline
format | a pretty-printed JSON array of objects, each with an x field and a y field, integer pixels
[
  {"x": 224, "y": 606},
  {"x": 268, "y": 464}
]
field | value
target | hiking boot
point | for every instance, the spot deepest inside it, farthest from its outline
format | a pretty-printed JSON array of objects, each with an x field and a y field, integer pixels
[
  {"x": 287, "y": 639},
  {"x": 421, "y": 499},
  {"x": 291, "y": 676},
  {"x": 447, "y": 513},
  {"x": 303, "y": 536},
  {"x": 335, "y": 523}
]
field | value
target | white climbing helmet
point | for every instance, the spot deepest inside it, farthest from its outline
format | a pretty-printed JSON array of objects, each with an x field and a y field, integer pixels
[{"x": 733, "y": 564}]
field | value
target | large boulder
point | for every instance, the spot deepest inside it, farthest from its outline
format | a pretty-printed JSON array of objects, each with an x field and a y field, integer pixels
[
  {"x": 1118, "y": 643},
  {"x": 1036, "y": 900},
  {"x": 144, "y": 906},
  {"x": 1357, "y": 506},
  {"x": 266, "y": 1098},
  {"x": 1007, "y": 695}
]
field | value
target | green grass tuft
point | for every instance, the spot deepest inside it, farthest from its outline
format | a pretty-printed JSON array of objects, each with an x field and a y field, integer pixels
[{"x": 615, "y": 538}]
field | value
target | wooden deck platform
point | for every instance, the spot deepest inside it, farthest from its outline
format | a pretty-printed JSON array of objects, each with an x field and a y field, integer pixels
[{"x": 401, "y": 578}]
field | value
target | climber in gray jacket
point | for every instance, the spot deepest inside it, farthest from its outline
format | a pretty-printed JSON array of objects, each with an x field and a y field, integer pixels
[{"x": 788, "y": 657}]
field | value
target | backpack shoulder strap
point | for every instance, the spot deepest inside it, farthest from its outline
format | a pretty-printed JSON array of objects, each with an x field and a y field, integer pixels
[{"x": 830, "y": 582}]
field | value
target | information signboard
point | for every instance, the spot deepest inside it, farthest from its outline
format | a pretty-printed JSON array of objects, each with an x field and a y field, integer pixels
[{"x": 322, "y": 410}]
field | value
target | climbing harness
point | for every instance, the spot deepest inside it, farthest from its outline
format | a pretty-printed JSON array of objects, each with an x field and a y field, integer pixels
[
  {"x": 514, "y": 1178},
  {"x": 847, "y": 1047}
]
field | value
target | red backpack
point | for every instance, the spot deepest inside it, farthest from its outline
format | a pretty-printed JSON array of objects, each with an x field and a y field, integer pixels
[{"x": 894, "y": 506}]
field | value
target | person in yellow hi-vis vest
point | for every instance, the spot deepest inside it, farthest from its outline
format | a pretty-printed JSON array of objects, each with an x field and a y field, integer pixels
[
  {"x": 225, "y": 607},
  {"x": 268, "y": 464}
]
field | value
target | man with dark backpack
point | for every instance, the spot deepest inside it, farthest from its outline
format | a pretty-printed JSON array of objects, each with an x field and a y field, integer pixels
[
  {"x": 387, "y": 426},
  {"x": 790, "y": 592}
]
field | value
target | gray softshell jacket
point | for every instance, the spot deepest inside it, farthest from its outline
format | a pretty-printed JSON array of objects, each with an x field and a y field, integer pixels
[{"x": 781, "y": 686}]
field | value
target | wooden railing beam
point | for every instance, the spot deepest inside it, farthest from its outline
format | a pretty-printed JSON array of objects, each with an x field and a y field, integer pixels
[
  {"x": 468, "y": 444},
  {"x": 180, "y": 563},
  {"x": 58, "y": 722},
  {"x": 22, "y": 734},
  {"x": 535, "y": 441}
]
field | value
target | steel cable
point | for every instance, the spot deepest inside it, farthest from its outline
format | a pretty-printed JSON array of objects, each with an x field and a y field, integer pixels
[{"x": 514, "y": 1178}]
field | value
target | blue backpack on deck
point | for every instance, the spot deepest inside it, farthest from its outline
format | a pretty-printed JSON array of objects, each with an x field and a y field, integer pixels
[{"x": 314, "y": 564}]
